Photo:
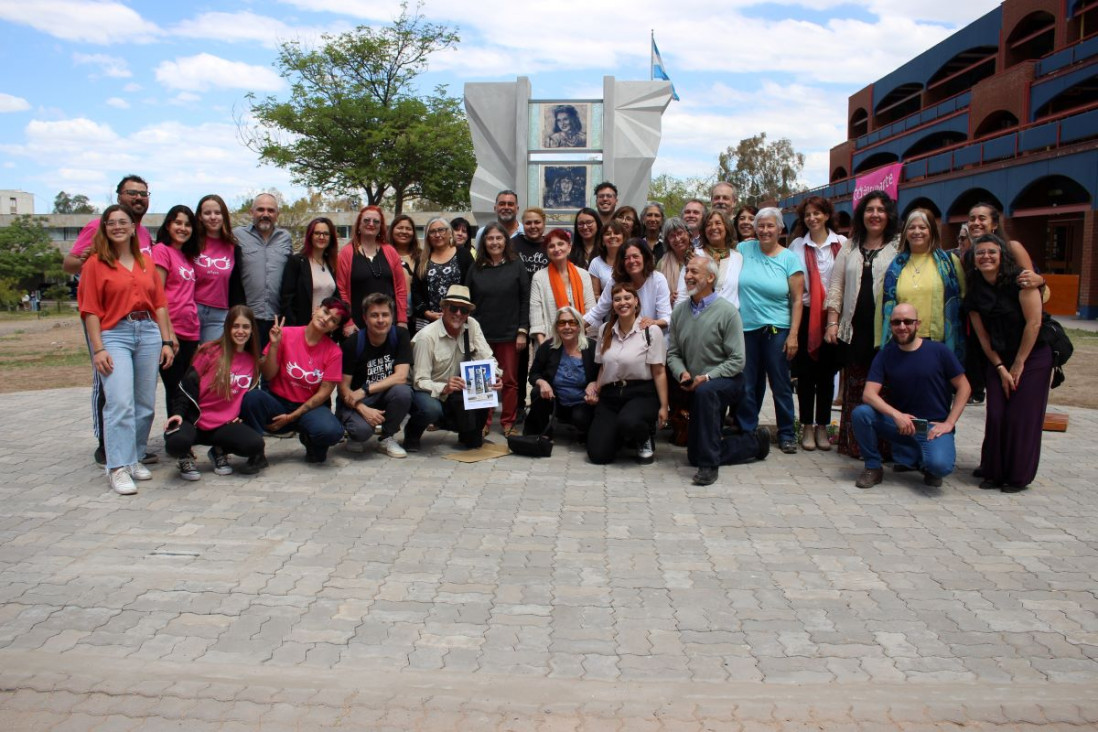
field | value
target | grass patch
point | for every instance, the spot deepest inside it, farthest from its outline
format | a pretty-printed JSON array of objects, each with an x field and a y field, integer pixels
[
  {"x": 1078, "y": 336},
  {"x": 45, "y": 360}
]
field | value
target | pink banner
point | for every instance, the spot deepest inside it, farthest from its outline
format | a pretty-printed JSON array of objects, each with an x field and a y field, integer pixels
[{"x": 885, "y": 179}]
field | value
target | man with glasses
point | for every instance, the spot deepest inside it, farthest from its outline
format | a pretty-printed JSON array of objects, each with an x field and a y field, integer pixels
[
  {"x": 438, "y": 351},
  {"x": 133, "y": 193},
  {"x": 606, "y": 200},
  {"x": 927, "y": 391},
  {"x": 264, "y": 249}
]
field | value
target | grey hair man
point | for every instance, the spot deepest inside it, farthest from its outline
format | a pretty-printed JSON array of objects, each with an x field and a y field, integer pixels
[
  {"x": 693, "y": 211},
  {"x": 723, "y": 196},
  {"x": 264, "y": 249},
  {"x": 706, "y": 356}
]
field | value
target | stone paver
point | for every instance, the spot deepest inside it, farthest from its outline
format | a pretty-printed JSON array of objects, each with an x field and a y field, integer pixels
[{"x": 540, "y": 594}]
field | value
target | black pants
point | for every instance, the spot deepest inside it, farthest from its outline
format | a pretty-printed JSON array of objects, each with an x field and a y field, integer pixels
[
  {"x": 975, "y": 364},
  {"x": 578, "y": 415},
  {"x": 622, "y": 414},
  {"x": 234, "y": 438},
  {"x": 815, "y": 377},
  {"x": 172, "y": 375}
]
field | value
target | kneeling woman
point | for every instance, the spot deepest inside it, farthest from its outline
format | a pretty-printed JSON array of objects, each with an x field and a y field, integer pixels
[
  {"x": 205, "y": 408},
  {"x": 630, "y": 396},
  {"x": 302, "y": 366},
  {"x": 562, "y": 370}
]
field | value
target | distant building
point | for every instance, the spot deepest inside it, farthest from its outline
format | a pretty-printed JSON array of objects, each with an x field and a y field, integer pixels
[
  {"x": 16, "y": 203},
  {"x": 1005, "y": 111}
]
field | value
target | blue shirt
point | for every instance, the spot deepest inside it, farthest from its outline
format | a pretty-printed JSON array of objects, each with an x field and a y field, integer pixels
[
  {"x": 697, "y": 308},
  {"x": 569, "y": 381},
  {"x": 918, "y": 381},
  {"x": 764, "y": 286}
]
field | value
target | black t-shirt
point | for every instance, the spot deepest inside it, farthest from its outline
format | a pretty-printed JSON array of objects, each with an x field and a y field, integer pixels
[
  {"x": 375, "y": 363},
  {"x": 533, "y": 255},
  {"x": 367, "y": 277}
]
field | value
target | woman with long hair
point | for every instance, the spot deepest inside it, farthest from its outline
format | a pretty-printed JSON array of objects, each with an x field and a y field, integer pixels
[
  {"x": 630, "y": 395},
  {"x": 125, "y": 314},
  {"x": 564, "y": 366},
  {"x": 368, "y": 264},
  {"x": 402, "y": 236},
  {"x": 816, "y": 245},
  {"x": 586, "y": 235},
  {"x": 205, "y": 409},
  {"x": 611, "y": 238},
  {"x": 441, "y": 265},
  {"x": 744, "y": 223},
  {"x": 174, "y": 253},
  {"x": 636, "y": 266},
  {"x": 853, "y": 296},
  {"x": 628, "y": 217},
  {"x": 216, "y": 279},
  {"x": 1007, "y": 320},
  {"x": 719, "y": 242},
  {"x": 309, "y": 276},
  {"x": 500, "y": 289},
  {"x": 928, "y": 278},
  {"x": 561, "y": 284},
  {"x": 771, "y": 286}
]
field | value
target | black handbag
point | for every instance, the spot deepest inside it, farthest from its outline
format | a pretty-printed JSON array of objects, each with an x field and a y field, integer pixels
[
  {"x": 1053, "y": 335},
  {"x": 537, "y": 446}
]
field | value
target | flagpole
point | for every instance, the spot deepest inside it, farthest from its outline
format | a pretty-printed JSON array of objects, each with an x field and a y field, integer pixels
[{"x": 651, "y": 47}]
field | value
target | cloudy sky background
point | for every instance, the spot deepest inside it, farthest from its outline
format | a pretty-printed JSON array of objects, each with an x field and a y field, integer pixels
[{"x": 94, "y": 89}]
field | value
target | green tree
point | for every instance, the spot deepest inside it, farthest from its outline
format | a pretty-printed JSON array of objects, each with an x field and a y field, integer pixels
[
  {"x": 674, "y": 192},
  {"x": 353, "y": 125},
  {"x": 63, "y": 203},
  {"x": 26, "y": 255},
  {"x": 762, "y": 171}
]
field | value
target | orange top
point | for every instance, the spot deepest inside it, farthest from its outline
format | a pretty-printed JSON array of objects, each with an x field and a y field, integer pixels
[{"x": 111, "y": 293}]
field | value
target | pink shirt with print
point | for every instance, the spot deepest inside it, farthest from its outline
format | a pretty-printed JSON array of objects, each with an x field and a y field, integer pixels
[
  {"x": 302, "y": 367},
  {"x": 179, "y": 288},
  {"x": 216, "y": 410},
  {"x": 212, "y": 269}
]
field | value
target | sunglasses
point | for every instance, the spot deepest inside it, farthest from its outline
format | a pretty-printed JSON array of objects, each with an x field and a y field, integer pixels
[
  {"x": 903, "y": 321},
  {"x": 459, "y": 309}
]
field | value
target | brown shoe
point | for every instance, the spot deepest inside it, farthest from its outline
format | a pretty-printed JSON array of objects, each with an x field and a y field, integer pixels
[
  {"x": 823, "y": 442},
  {"x": 808, "y": 438},
  {"x": 869, "y": 478}
]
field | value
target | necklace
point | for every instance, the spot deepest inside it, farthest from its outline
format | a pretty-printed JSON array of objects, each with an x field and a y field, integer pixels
[{"x": 375, "y": 271}]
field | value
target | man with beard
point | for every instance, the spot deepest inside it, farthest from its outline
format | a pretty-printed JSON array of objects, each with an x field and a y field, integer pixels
[
  {"x": 606, "y": 200},
  {"x": 705, "y": 356},
  {"x": 722, "y": 197},
  {"x": 133, "y": 193},
  {"x": 264, "y": 249},
  {"x": 693, "y": 211},
  {"x": 921, "y": 377}
]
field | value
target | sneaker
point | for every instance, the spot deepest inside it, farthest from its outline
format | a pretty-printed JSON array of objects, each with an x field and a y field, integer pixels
[
  {"x": 411, "y": 444},
  {"x": 254, "y": 465},
  {"x": 151, "y": 458},
  {"x": 220, "y": 461},
  {"x": 646, "y": 454},
  {"x": 121, "y": 482},
  {"x": 188, "y": 468},
  {"x": 140, "y": 472},
  {"x": 869, "y": 478},
  {"x": 390, "y": 447},
  {"x": 356, "y": 446}
]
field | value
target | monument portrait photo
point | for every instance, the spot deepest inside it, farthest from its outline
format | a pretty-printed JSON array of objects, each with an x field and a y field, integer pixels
[{"x": 564, "y": 186}]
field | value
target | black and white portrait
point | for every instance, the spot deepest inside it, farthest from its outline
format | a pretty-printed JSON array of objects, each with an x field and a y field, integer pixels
[
  {"x": 564, "y": 186},
  {"x": 566, "y": 125}
]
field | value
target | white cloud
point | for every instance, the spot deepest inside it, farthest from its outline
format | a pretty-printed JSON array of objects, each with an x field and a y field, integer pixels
[
  {"x": 206, "y": 71},
  {"x": 131, "y": 87},
  {"x": 102, "y": 23},
  {"x": 118, "y": 103},
  {"x": 247, "y": 26},
  {"x": 184, "y": 99},
  {"x": 112, "y": 66},
  {"x": 9, "y": 103}
]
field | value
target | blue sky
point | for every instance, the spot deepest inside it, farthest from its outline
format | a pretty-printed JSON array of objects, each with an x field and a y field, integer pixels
[{"x": 94, "y": 89}]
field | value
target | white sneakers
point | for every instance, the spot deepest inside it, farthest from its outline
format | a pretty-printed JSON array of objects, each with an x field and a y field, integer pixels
[
  {"x": 140, "y": 472},
  {"x": 391, "y": 447},
  {"x": 121, "y": 482}
]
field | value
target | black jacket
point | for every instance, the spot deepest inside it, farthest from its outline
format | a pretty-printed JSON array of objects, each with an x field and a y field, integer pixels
[
  {"x": 547, "y": 361},
  {"x": 185, "y": 398},
  {"x": 295, "y": 302}
]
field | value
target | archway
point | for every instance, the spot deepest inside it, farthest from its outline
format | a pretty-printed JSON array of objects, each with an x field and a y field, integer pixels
[
  {"x": 1033, "y": 37},
  {"x": 997, "y": 121}
]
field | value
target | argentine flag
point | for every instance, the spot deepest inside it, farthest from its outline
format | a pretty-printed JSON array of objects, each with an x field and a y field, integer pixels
[{"x": 657, "y": 69}]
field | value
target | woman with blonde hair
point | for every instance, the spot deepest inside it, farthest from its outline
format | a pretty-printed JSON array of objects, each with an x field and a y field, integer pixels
[{"x": 442, "y": 264}]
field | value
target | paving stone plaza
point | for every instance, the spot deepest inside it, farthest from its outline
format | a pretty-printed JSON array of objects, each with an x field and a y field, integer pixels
[{"x": 521, "y": 594}]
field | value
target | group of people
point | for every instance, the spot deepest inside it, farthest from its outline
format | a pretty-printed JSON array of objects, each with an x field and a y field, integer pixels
[{"x": 628, "y": 322}]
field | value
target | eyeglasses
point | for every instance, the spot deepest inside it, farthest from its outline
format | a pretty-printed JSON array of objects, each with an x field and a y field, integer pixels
[
  {"x": 436, "y": 232},
  {"x": 985, "y": 253},
  {"x": 458, "y": 309},
  {"x": 136, "y": 194},
  {"x": 375, "y": 222},
  {"x": 321, "y": 235},
  {"x": 567, "y": 324},
  {"x": 119, "y": 224},
  {"x": 903, "y": 321}
]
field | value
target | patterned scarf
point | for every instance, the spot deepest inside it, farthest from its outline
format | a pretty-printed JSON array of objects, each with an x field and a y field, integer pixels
[{"x": 952, "y": 331}]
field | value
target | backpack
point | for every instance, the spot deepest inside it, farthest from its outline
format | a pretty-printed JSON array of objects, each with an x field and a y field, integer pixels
[{"x": 1052, "y": 334}]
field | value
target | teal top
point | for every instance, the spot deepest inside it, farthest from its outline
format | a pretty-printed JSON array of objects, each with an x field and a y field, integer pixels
[{"x": 764, "y": 286}]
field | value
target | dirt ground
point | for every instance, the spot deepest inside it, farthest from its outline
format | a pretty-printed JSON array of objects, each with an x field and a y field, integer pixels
[{"x": 49, "y": 353}]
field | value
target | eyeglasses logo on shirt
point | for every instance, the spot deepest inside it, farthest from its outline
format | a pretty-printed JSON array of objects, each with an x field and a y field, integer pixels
[
  {"x": 297, "y": 373},
  {"x": 186, "y": 273},
  {"x": 220, "y": 263}
]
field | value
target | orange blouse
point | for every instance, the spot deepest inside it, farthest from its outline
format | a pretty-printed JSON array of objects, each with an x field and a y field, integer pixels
[{"x": 111, "y": 293}]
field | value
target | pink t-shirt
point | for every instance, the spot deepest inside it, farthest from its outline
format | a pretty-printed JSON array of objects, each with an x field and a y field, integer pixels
[
  {"x": 216, "y": 410},
  {"x": 179, "y": 288},
  {"x": 302, "y": 367},
  {"x": 212, "y": 269},
  {"x": 87, "y": 235}
]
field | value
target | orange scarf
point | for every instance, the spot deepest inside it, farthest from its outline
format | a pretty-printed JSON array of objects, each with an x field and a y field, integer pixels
[{"x": 560, "y": 294}]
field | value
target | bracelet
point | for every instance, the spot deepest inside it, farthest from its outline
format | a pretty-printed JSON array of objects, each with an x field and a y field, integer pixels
[
  {"x": 99, "y": 351},
  {"x": 832, "y": 325},
  {"x": 169, "y": 344},
  {"x": 999, "y": 365}
]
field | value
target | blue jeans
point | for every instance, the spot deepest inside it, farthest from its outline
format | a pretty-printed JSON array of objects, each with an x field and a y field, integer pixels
[
  {"x": 935, "y": 456},
  {"x": 211, "y": 322},
  {"x": 396, "y": 402},
  {"x": 706, "y": 447},
  {"x": 319, "y": 425},
  {"x": 766, "y": 362},
  {"x": 130, "y": 390}
]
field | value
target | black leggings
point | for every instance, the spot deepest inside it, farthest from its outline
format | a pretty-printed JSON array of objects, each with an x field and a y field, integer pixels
[
  {"x": 622, "y": 414},
  {"x": 172, "y": 375},
  {"x": 234, "y": 438},
  {"x": 815, "y": 377}
]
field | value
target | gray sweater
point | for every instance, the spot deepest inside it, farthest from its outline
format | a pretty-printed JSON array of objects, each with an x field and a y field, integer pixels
[{"x": 711, "y": 343}]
